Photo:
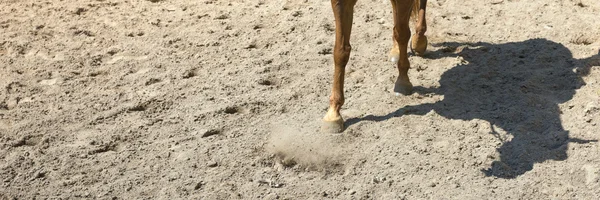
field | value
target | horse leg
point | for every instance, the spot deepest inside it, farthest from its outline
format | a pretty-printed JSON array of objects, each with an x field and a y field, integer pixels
[
  {"x": 343, "y": 11},
  {"x": 401, "y": 12},
  {"x": 419, "y": 40}
]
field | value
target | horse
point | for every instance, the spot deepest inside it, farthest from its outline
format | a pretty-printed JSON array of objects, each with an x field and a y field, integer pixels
[{"x": 343, "y": 11}]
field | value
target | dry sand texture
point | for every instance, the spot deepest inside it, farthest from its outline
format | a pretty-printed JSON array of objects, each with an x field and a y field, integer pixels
[{"x": 218, "y": 99}]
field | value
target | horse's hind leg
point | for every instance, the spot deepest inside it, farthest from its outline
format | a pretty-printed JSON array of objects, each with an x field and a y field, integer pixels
[
  {"x": 401, "y": 11},
  {"x": 419, "y": 40},
  {"x": 343, "y": 11}
]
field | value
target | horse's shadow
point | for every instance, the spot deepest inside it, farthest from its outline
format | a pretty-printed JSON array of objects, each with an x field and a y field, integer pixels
[{"x": 515, "y": 86}]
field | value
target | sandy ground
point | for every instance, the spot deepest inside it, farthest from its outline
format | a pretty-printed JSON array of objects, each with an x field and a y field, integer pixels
[{"x": 210, "y": 99}]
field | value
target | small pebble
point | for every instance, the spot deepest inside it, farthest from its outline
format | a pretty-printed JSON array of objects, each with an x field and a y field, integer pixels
[
  {"x": 207, "y": 133},
  {"x": 272, "y": 196},
  {"x": 212, "y": 164},
  {"x": 198, "y": 185}
]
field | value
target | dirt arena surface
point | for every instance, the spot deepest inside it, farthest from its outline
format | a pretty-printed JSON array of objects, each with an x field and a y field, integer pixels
[{"x": 218, "y": 99}]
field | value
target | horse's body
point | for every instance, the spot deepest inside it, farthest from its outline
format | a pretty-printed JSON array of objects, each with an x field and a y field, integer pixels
[{"x": 343, "y": 11}]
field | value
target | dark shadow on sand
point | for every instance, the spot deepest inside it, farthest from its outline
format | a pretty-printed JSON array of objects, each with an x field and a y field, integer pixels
[{"x": 515, "y": 86}]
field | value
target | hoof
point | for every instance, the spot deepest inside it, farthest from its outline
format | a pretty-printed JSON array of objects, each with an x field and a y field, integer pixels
[
  {"x": 334, "y": 126},
  {"x": 418, "y": 44},
  {"x": 403, "y": 87}
]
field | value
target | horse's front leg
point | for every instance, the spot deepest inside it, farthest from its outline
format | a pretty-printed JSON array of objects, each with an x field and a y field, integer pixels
[
  {"x": 343, "y": 11},
  {"x": 401, "y": 11}
]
